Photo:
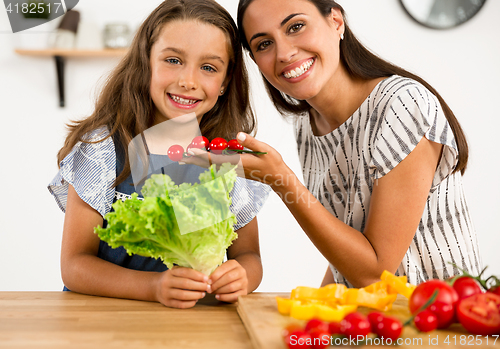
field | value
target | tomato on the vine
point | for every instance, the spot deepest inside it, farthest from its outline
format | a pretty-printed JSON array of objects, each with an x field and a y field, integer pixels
[
  {"x": 389, "y": 328},
  {"x": 480, "y": 314},
  {"x": 444, "y": 312},
  {"x": 199, "y": 142},
  {"x": 314, "y": 324},
  {"x": 426, "y": 321},
  {"x": 320, "y": 339},
  {"x": 495, "y": 290},
  {"x": 217, "y": 145},
  {"x": 175, "y": 152},
  {"x": 354, "y": 325},
  {"x": 466, "y": 287},
  {"x": 335, "y": 328},
  {"x": 375, "y": 317},
  {"x": 290, "y": 329},
  {"x": 298, "y": 340},
  {"x": 425, "y": 290},
  {"x": 233, "y": 144}
]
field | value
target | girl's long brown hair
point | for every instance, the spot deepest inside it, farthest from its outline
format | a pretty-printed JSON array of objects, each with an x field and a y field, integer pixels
[
  {"x": 125, "y": 106},
  {"x": 359, "y": 63}
]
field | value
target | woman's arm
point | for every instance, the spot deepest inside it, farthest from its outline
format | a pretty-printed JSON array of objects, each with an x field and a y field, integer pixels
[
  {"x": 82, "y": 271},
  {"x": 396, "y": 207},
  {"x": 242, "y": 273}
]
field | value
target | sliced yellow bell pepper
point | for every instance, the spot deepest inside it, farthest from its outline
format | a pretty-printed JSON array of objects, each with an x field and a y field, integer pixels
[
  {"x": 334, "y": 314},
  {"x": 303, "y": 311},
  {"x": 285, "y": 305},
  {"x": 399, "y": 284},
  {"x": 332, "y": 292},
  {"x": 303, "y": 292},
  {"x": 332, "y": 302}
]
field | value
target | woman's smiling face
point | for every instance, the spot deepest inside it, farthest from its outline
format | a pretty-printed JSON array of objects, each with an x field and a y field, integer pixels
[
  {"x": 189, "y": 63},
  {"x": 294, "y": 45}
]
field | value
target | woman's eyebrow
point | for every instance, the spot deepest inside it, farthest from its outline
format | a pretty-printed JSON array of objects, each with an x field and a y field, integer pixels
[{"x": 283, "y": 22}]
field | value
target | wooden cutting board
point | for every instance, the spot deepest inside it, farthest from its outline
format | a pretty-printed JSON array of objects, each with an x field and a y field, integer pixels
[{"x": 264, "y": 324}]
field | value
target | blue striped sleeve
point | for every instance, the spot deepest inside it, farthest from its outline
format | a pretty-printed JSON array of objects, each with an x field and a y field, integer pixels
[
  {"x": 248, "y": 197},
  {"x": 91, "y": 169}
]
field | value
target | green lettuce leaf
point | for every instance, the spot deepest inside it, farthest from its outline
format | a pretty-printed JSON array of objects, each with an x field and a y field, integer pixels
[{"x": 186, "y": 225}]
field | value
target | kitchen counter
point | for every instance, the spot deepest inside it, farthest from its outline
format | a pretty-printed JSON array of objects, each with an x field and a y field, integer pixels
[
  {"x": 59, "y": 320},
  {"x": 70, "y": 320}
]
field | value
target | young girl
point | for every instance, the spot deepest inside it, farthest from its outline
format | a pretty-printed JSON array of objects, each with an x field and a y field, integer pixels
[
  {"x": 381, "y": 152},
  {"x": 185, "y": 58}
]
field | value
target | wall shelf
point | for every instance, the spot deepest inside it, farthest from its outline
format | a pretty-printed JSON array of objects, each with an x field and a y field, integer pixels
[{"x": 59, "y": 56}]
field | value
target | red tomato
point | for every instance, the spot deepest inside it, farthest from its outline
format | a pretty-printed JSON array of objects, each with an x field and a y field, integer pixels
[
  {"x": 320, "y": 339},
  {"x": 480, "y": 314},
  {"x": 426, "y": 321},
  {"x": 466, "y": 287},
  {"x": 217, "y": 145},
  {"x": 199, "y": 142},
  {"x": 289, "y": 329},
  {"x": 444, "y": 312},
  {"x": 425, "y": 290},
  {"x": 334, "y": 328},
  {"x": 354, "y": 325},
  {"x": 233, "y": 144},
  {"x": 495, "y": 290},
  {"x": 375, "y": 318},
  {"x": 389, "y": 328},
  {"x": 298, "y": 340},
  {"x": 175, "y": 152},
  {"x": 314, "y": 324}
]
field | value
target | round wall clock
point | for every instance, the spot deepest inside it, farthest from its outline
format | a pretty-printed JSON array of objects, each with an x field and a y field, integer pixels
[{"x": 442, "y": 14}]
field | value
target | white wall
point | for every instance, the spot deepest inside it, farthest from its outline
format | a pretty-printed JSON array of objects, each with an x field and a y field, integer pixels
[{"x": 461, "y": 63}]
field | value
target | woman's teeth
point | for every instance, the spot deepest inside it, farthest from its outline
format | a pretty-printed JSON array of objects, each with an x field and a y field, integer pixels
[
  {"x": 295, "y": 73},
  {"x": 183, "y": 101}
]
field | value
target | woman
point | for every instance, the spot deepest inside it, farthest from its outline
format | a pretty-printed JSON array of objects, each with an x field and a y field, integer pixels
[{"x": 381, "y": 152}]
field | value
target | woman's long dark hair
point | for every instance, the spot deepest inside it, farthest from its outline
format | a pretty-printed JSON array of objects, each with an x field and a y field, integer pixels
[
  {"x": 125, "y": 105},
  {"x": 359, "y": 63}
]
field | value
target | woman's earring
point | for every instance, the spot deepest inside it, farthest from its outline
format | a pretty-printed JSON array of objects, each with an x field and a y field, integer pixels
[
  {"x": 222, "y": 91},
  {"x": 342, "y": 36}
]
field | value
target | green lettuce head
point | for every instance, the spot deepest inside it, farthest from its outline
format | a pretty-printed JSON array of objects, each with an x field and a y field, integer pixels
[{"x": 189, "y": 225}]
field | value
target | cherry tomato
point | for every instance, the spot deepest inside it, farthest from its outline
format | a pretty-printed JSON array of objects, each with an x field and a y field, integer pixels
[
  {"x": 175, "y": 152},
  {"x": 389, "y": 328},
  {"x": 316, "y": 324},
  {"x": 199, "y": 142},
  {"x": 444, "y": 312},
  {"x": 480, "y": 314},
  {"x": 375, "y": 318},
  {"x": 466, "y": 287},
  {"x": 426, "y": 321},
  {"x": 233, "y": 144},
  {"x": 217, "y": 145},
  {"x": 291, "y": 328},
  {"x": 495, "y": 290},
  {"x": 320, "y": 339},
  {"x": 335, "y": 328},
  {"x": 425, "y": 290},
  {"x": 354, "y": 325},
  {"x": 298, "y": 340}
]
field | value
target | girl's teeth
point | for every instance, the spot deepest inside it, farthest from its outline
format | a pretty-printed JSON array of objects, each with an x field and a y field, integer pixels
[
  {"x": 182, "y": 100},
  {"x": 294, "y": 73}
]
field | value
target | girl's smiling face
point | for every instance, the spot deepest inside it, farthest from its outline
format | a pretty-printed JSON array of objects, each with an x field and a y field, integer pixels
[
  {"x": 189, "y": 62},
  {"x": 294, "y": 45}
]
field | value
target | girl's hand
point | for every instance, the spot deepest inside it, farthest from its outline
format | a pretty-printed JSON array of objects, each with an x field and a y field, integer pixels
[
  {"x": 229, "y": 281},
  {"x": 181, "y": 287}
]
